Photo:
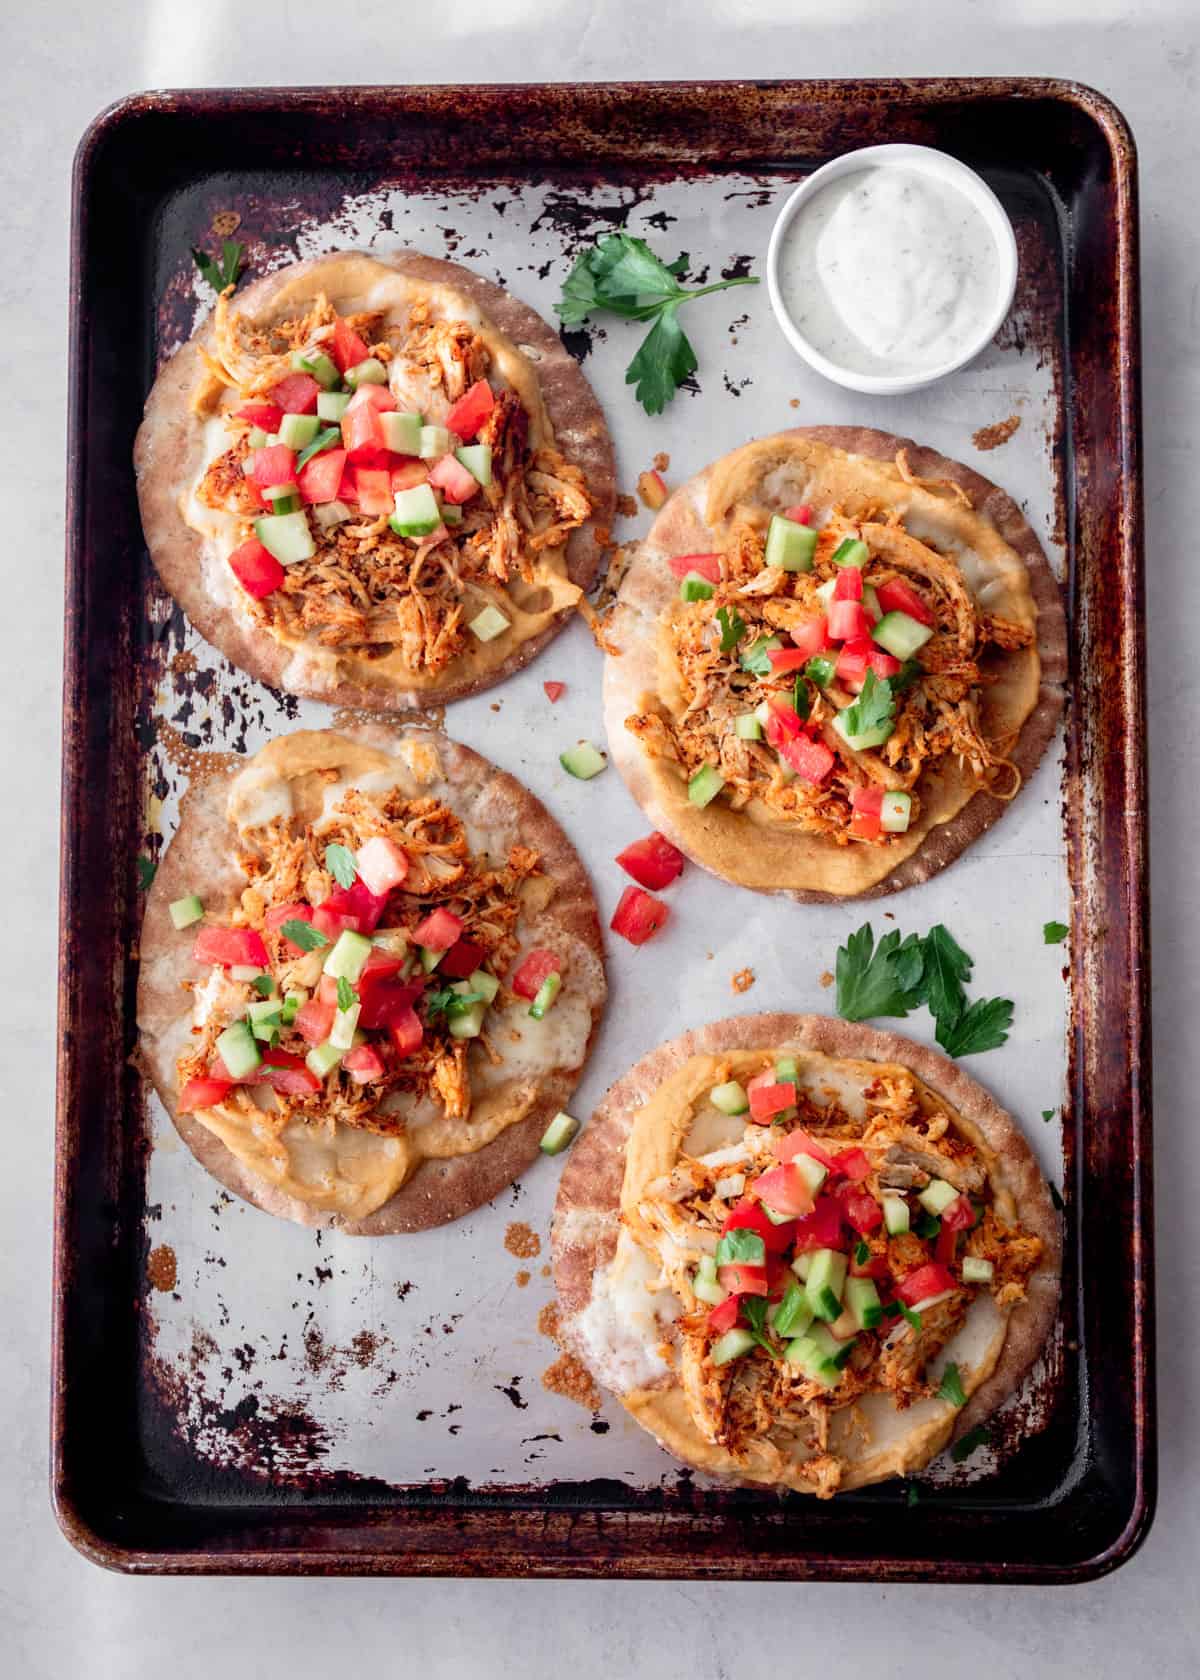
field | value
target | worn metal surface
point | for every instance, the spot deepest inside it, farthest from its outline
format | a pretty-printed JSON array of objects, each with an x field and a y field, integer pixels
[{"x": 286, "y": 1400}]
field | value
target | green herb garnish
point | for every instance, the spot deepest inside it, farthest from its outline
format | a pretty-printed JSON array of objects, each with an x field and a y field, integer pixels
[
  {"x": 339, "y": 861},
  {"x": 984, "y": 1026},
  {"x": 952, "y": 1388},
  {"x": 927, "y": 1226},
  {"x": 224, "y": 272},
  {"x": 947, "y": 969},
  {"x": 977, "y": 1437},
  {"x": 1053, "y": 933},
  {"x": 875, "y": 706},
  {"x": 754, "y": 1310},
  {"x": 347, "y": 997},
  {"x": 910, "y": 1317},
  {"x": 754, "y": 658},
  {"x": 861, "y": 1253},
  {"x": 741, "y": 1247},
  {"x": 451, "y": 1004},
  {"x": 733, "y": 628},
  {"x": 1049, "y": 1113},
  {"x": 870, "y": 981},
  {"x": 323, "y": 440},
  {"x": 263, "y": 985},
  {"x": 303, "y": 934},
  {"x": 622, "y": 275},
  {"x": 820, "y": 670},
  {"x": 899, "y": 975},
  {"x": 800, "y": 700},
  {"x": 147, "y": 869},
  {"x": 907, "y": 675}
]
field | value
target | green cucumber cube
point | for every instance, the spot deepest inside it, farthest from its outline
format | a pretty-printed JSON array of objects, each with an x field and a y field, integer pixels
[
  {"x": 331, "y": 405},
  {"x": 790, "y": 546},
  {"x": 286, "y": 536},
  {"x": 808, "y": 1355},
  {"x": 583, "y": 761},
  {"x": 486, "y": 984},
  {"x": 402, "y": 433},
  {"x": 488, "y": 624},
  {"x": 546, "y": 994},
  {"x": 298, "y": 430},
  {"x": 185, "y": 911},
  {"x": 469, "y": 1024},
  {"x": 851, "y": 552},
  {"x": 794, "y": 1315},
  {"x": 237, "y": 1049},
  {"x": 329, "y": 514},
  {"x": 747, "y": 727},
  {"x": 867, "y": 739},
  {"x": 732, "y": 1345},
  {"x": 895, "y": 813},
  {"x": 344, "y": 1024},
  {"x": 786, "y": 1071},
  {"x": 477, "y": 458},
  {"x": 824, "y": 1284},
  {"x": 900, "y": 634},
  {"x": 730, "y": 1098},
  {"x": 695, "y": 588},
  {"x": 705, "y": 785},
  {"x": 370, "y": 372},
  {"x": 349, "y": 956},
  {"x": 434, "y": 442},
  {"x": 937, "y": 1196},
  {"x": 324, "y": 440},
  {"x": 895, "y": 1215},
  {"x": 862, "y": 1300},
  {"x": 318, "y": 364},
  {"x": 976, "y": 1270},
  {"x": 323, "y": 1058},
  {"x": 417, "y": 512},
  {"x": 257, "y": 439},
  {"x": 559, "y": 1133}
]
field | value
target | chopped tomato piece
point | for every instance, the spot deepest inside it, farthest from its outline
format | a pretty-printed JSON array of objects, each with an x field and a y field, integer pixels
[
  {"x": 275, "y": 464},
  {"x": 853, "y": 1164},
  {"x": 405, "y": 1031},
  {"x": 377, "y": 397},
  {"x": 959, "y": 1216},
  {"x": 331, "y": 922},
  {"x": 865, "y": 825},
  {"x": 801, "y": 513},
  {"x": 453, "y": 480},
  {"x": 946, "y": 1244},
  {"x": 387, "y": 1002},
  {"x": 784, "y": 660},
  {"x": 811, "y": 760},
  {"x": 348, "y": 348},
  {"x": 264, "y": 415},
  {"x": 374, "y": 490},
  {"x": 852, "y": 663},
  {"x": 381, "y": 965},
  {"x": 290, "y": 913},
  {"x": 258, "y": 571},
  {"x": 811, "y": 636},
  {"x": 471, "y": 410},
  {"x": 358, "y": 904},
  {"x": 868, "y": 799},
  {"x": 785, "y": 1190},
  {"x": 653, "y": 862},
  {"x": 406, "y": 474},
  {"x": 440, "y": 929},
  {"x": 652, "y": 488},
  {"x": 821, "y": 1229},
  {"x": 363, "y": 1064},
  {"x": 783, "y": 721},
  {"x": 381, "y": 864},
  {"x": 554, "y": 690},
  {"x": 928, "y": 1280},
  {"x": 748, "y": 1216},
  {"x": 799, "y": 1143},
  {"x": 203, "y": 1092},
  {"x": 847, "y": 620},
  {"x": 314, "y": 1019},
  {"x": 849, "y": 585},
  {"x": 297, "y": 394},
  {"x": 707, "y": 565},
  {"x": 527, "y": 981},
  {"x": 462, "y": 959},
  {"x": 725, "y": 1316},
  {"x": 898, "y": 596},
  {"x": 232, "y": 947},
  {"x": 744, "y": 1280},
  {"x": 860, "y": 1209},
  {"x": 284, "y": 1072},
  {"x": 361, "y": 433},
  {"x": 769, "y": 1098},
  {"x": 320, "y": 478},
  {"x": 638, "y": 917}
]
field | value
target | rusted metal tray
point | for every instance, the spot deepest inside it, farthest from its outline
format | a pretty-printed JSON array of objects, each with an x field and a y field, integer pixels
[{"x": 233, "y": 1394}]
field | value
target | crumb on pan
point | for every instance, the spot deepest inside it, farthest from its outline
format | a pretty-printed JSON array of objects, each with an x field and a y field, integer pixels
[
  {"x": 743, "y": 980},
  {"x": 827, "y": 978},
  {"x": 522, "y": 1240},
  {"x": 991, "y": 437},
  {"x": 569, "y": 1377}
]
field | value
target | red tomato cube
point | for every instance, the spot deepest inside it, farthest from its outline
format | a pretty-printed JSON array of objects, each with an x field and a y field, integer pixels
[
  {"x": 811, "y": 636},
  {"x": 320, "y": 478},
  {"x": 471, "y": 410},
  {"x": 638, "y": 917},
  {"x": 453, "y": 480},
  {"x": 653, "y": 862},
  {"x": 440, "y": 929},
  {"x": 707, "y": 565},
  {"x": 297, "y": 394},
  {"x": 348, "y": 348},
  {"x": 528, "y": 979},
  {"x": 898, "y": 596},
  {"x": 258, "y": 572}
]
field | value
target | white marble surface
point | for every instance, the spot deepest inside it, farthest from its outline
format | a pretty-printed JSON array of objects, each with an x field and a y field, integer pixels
[{"x": 60, "y": 1616}]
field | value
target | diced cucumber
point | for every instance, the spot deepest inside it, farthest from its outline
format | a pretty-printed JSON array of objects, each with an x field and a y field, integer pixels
[
  {"x": 851, "y": 552},
  {"x": 895, "y": 813},
  {"x": 732, "y": 1345},
  {"x": 869, "y": 737},
  {"x": 558, "y": 1133},
  {"x": 546, "y": 994},
  {"x": 794, "y": 1315},
  {"x": 370, "y": 372},
  {"x": 825, "y": 1281},
  {"x": 293, "y": 1001},
  {"x": 429, "y": 959},
  {"x": 776, "y": 1218},
  {"x": 402, "y": 433},
  {"x": 812, "y": 1172},
  {"x": 433, "y": 442},
  {"x": 753, "y": 655},
  {"x": 417, "y": 512},
  {"x": 349, "y": 956},
  {"x": 477, "y": 458},
  {"x": 810, "y": 1358},
  {"x": 298, "y": 430},
  {"x": 730, "y": 1098},
  {"x": 821, "y": 669},
  {"x": 265, "y": 1019},
  {"x": 900, "y": 634},
  {"x": 937, "y": 1196},
  {"x": 895, "y": 1214},
  {"x": 705, "y": 1286},
  {"x": 488, "y": 624},
  {"x": 323, "y": 1058},
  {"x": 583, "y": 761},
  {"x": 695, "y": 588},
  {"x": 976, "y": 1270},
  {"x": 324, "y": 440},
  {"x": 801, "y": 1265},
  {"x": 185, "y": 911},
  {"x": 344, "y": 1024},
  {"x": 319, "y": 365},
  {"x": 257, "y": 439},
  {"x": 825, "y": 592},
  {"x": 862, "y": 1301},
  {"x": 870, "y": 601},
  {"x": 329, "y": 514},
  {"x": 747, "y": 727},
  {"x": 786, "y": 1071},
  {"x": 469, "y": 1024},
  {"x": 705, "y": 785},
  {"x": 282, "y": 497},
  {"x": 286, "y": 536},
  {"x": 237, "y": 1049},
  {"x": 484, "y": 983},
  {"x": 331, "y": 405},
  {"x": 452, "y": 514},
  {"x": 789, "y": 546}
]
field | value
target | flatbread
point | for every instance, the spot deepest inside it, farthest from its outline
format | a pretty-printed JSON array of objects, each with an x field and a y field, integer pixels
[
  {"x": 587, "y": 1225},
  {"x": 200, "y": 859},
  {"x": 828, "y": 466},
  {"x": 169, "y": 456}
]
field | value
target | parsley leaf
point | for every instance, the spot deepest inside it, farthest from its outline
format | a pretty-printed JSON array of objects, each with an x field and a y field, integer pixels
[
  {"x": 303, "y": 934},
  {"x": 952, "y": 1388},
  {"x": 861, "y": 1253},
  {"x": 339, "y": 861},
  {"x": 754, "y": 1307},
  {"x": 910, "y": 1317},
  {"x": 868, "y": 982},
  {"x": 875, "y": 706},
  {"x": 1055, "y": 932},
  {"x": 907, "y": 675},
  {"x": 622, "y": 275},
  {"x": 754, "y": 658},
  {"x": 1049, "y": 1113},
  {"x": 927, "y": 1227},
  {"x": 450, "y": 1003},
  {"x": 347, "y": 997},
  {"x": 984, "y": 1026},
  {"x": 223, "y": 272},
  {"x": 977, "y": 1437},
  {"x": 263, "y": 985},
  {"x": 741, "y": 1247},
  {"x": 909, "y": 964},
  {"x": 733, "y": 627},
  {"x": 911, "y": 1495},
  {"x": 1056, "y": 1197},
  {"x": 947, "y": 969},
  {"x": 147, "y": 869}
]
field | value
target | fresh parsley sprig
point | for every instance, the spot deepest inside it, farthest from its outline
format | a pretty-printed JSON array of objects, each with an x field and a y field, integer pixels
[
  {"x": 898, "y": 975},
  {"x": 339, "y": 861},
  {"x": 303, "y": 934},
  {"x": 223, "y": 271},
  {"x": 874, "y": 708},
  {"x": 733, "y": 627},
  {"x": 622, "y": 275}
]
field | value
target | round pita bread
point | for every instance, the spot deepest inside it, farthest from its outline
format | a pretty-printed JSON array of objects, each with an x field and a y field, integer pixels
[
  {"x": 831, "y": 466},
  {"x": 587, "y": 1223},
  {"x": 170, "y": 454},
  {"x": 200, "y": 859}
]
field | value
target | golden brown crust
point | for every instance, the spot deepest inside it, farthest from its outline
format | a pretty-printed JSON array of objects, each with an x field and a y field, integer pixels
[
  {"x": 199, "y": 860},
  {"x": 648, "y": 591},
  {"x": 169, "y": 454}
]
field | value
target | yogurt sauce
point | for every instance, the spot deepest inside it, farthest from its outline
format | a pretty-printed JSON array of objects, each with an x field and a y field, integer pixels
[{"x": 889, "y": 271}]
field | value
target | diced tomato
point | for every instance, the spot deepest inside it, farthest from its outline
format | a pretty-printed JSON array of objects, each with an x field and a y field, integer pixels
[
  {"x": 784, "y": 660},
  {"x": 785, "y": 1190},
  {"x": 848, "y": 619},
  {"x": 860, "y": 1209},
  {"x": 405, "y": 1031},
  {"x": 875, "y": 1267},
  {"x": 374, "y": 490},
  {"x": 744, "y": 1280},
  {"x": 865, "y": 825},
  {"x": 347, "y": 347},
  {"x": 377, "y": 397},
  {"x": 555, "y": 691},
  {"x": 800, "y": 514},
  {"x": 959, "y": 1216},
  {"x": 387, "y": 1001},
  {"x": 852, "y": 662},
  {"x": 462, "y": 959},
  {"x": 359, "y": 907},
  {"x": 769, "y": 1099},
  {"x": 471, "y": 410},
  {"x": 264, "y": 415},
  {"x": 852, "y": 1164},
  {"x": 725, "y": 1316},
  {"x": 290, "y": 913},
  {"x": 783, "y": 721},
  {"x": 811, "y": 760},
  {"x": 821, "y": 1229},
  {"x": 439, "y": 931},
  {"x": 314, "y": 1019},
  {"x": 454, "y": 481},
  {"x": 381, "y": 965},
  {"x": 707, "y": 565},
  {"x": 363, "y": 1064},
  {"x": 849, "y": 585},
  {"x": 638, "y": 917},
  {"x": 883, "y": 664},
  {"x": 945, "y": 1246},
  {"x": 285, "y": 1072},
  {"x": 332, "y": 922},
  {"x": 232, "y": 947},
  {"x": 276, "y": 464},
  {"x": 898, "y": 596},
  {"x": 258, "y": 571},
  {"x": 927, "y": 1280},
  {"x": 361, "y": 432},
  {"x": 297, "y": 394},
  {"x": 811, "y": 636},
  {"x": 527, "y": 981},
  {"x": 320, "y": 478},
  {"x": 866, "y": 799},
  {"x": 203, "y": 1092},
  {"x": 381, "y": 864},
  {"x": 653, "y": 862},
  {"x": 799, "y": 1143},
  {"x": 406, "y": 475},
  {"x": 748, "y": 1216}
]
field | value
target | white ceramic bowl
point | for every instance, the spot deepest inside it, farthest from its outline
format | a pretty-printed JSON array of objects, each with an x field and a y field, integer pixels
[{"x": 943, "y": 167}]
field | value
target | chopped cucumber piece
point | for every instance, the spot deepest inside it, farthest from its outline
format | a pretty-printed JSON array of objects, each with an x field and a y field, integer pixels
[
  {"x": 558, "y": 1133},
  {"x": 937, "y": 1196},
  {"x": 546, "y": 994},
  {"x": 825, "y": 592},
  {"x": 869, "y": 737},
  {"x": 705, "y": 785},
  {"x": 812, "y": 1172},
  {"x": 298, "y": 430},
  {"x": 293, "y": 1001},
  {"x": 812, "y": 1359},
  {"x": 794, "y": 1315},
  {"x": 851, "y": 552},
  {"x": 753, "y": 656},
  {"x": 331, "y": 405},
  {"x": 402, "y": 433},
  {"x": 747, "y": 727},
  {"x": 323, "y": 440},
  {"x": 895, "y": 1214},
  {"x": 486, "y": 984},
  {"x": 266, "y": 1010},
  {"x": 900, "y": 634},
  {"x": 802, "y": 1263},
  {"x": 452, "y": 514},
  {"x": 282, "y": 497},
  {"x": 821, "y": 669},
  {"x": 370, "y": 372},
  {"x": 825, "y": 1281},
  {"x": 488, "y": 624},
  {"x": 583, "y": 761},
  {"x": 434, "y": 441},
  {"x": 245, "y": 972},
  {"x": 185, "y": 911},
  {"x": 323, "y": 1058},
  {"x": 862, "y": 1302},
  {"x": 344, "y": 1025},
  {"x": 790, "y": 546},
  {"x": 786, "y": 1071},
  {"x": 730, "y": 1098},
  {"x": 349, "y": 956},
  {"x": 319, "y": 365},
  {"x": 976, "y": 1270},
  {"x": 237, "y": 1049},
  {"x": 417, "y": 512},
  {"x": 429, "y": 959},
  {"x": 286, "y": 536},
  {"x": 776, "y": 1218},
  {"x": 256, "y": 438},
  {"x": 705, "y": 1286},
  {"x": 870, "y": 601},
  {"x": 469, "y": 1024},
  {"x": 329, "y": 514},
  {"x": 732, "y": 1345},
  {"x": 477, "y": 458},
  {"x": 895, "y": 813},
  {"x": 695, "y": 588}
]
